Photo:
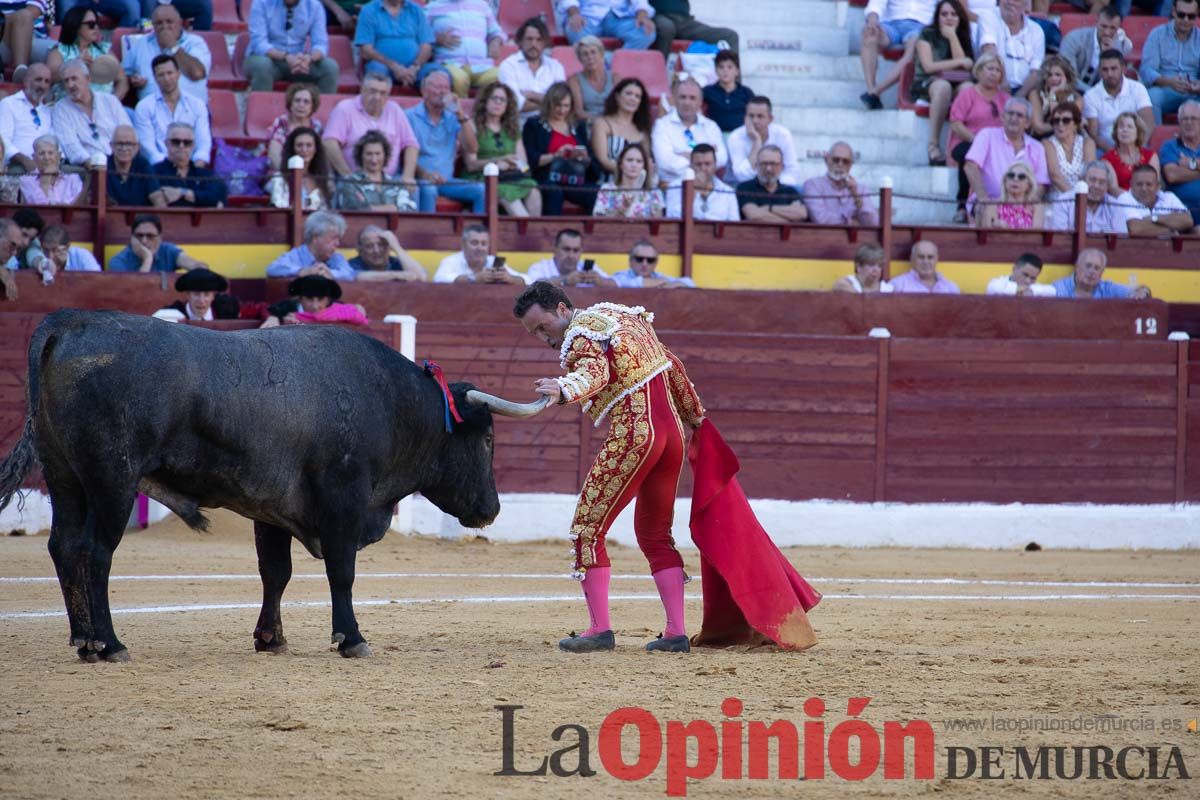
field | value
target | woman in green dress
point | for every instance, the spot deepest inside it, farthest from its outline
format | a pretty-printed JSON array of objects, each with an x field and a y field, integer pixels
[{"x": 494, "y": 123}]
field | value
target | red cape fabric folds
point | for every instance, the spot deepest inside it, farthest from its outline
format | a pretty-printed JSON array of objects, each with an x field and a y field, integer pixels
[{"x": 750, "y": 589}]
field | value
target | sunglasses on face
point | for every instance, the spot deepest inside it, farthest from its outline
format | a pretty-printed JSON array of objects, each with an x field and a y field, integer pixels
[
  {"x": 1015, "y": 176},
  {"x": 839, "y": 160},
  {"x": 645, "y": 259},
  {"x": 181, "y": 142},
  {"x": 1064, "y": 121},
  {"x": 1182, "y": 15},
  {"x": 89, "y": 23}
]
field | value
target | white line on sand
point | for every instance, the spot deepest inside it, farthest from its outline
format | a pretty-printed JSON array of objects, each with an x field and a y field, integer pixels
[{"x": 408, "y": 601}]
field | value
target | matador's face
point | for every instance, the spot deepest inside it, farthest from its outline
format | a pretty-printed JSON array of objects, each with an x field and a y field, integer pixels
[{"x": 549, "y": 326}]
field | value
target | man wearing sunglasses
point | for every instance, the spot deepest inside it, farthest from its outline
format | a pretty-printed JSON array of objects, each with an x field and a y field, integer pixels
[
  {"x": 835, "y": 198},
  {"x": 183, "y": 182},
  {"x": 24, "y": 116},
  {"x": 1171, "y": 60},
  {"x": 643, "y": 271}
]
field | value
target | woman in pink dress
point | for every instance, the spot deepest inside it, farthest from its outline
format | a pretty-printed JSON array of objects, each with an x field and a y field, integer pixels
[{"x": 1020, "y": 207}]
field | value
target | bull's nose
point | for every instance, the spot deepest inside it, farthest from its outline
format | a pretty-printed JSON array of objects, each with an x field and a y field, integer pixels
[{"x": 478, "y": 521}]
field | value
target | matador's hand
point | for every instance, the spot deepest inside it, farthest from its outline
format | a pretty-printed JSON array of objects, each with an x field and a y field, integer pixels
[{"x": 550, "y": 388}]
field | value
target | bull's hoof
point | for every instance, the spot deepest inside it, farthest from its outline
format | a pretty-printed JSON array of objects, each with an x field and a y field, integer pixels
[
  {"x": 268, "y": 642},
  {"x": 120, "y": 656},
  {"x": 360, "y": 650},
  {"x": 89, "y": 650}
]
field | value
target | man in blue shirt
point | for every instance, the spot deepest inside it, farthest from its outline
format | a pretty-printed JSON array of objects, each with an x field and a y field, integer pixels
[
  {"x": 394, "y": 37},
  {"x": 1180, "y": 159},
  {"x": 643, "y": 270},
  {"x": 323, "y": 232},
  {"x": 437, "y": 124},
  {"x": 1086, "y": 280},
  {"x": 147, "y": 252},
  {"x": 280, "y": 47},
  {"x": 1171, "y": 60}
]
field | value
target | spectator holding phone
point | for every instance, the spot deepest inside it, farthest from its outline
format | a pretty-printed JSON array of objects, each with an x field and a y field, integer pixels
[
  {"x": 474, "y": 265},
  {"x": 566, "y": 267}
]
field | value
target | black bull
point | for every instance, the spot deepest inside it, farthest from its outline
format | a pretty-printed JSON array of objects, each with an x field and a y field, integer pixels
[{"x": 310, "y": 431}]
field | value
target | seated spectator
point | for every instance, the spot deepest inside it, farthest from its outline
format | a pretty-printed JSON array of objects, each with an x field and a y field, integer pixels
[
  {"x": 191, "y": 53},
  {"x": 24, "y": 116},
  {"x": 1129, "y": 136},
  {"x": 529, "y": 72},
  {"x": 673, "y": 20},
  {"x": 634, "y": 195},
  {"x": 10, "y": 243},
  {"x": 1083, "y": 46},
  {"x": 1023, "y": 280},
  {"x": 147, "y": 252},
  {"x": 765, "y": 199},
  {"x": 183, "y": 182},
  {"x": 1103, "y": 215},
  {"x": 313, "y": 299},
  {"x": 835, "y": 198},
  {"x": 202, "y": 287},
  {"x": 343, "y": 14},
  {"x": 1066, "y": 171},
  {"x": 437, "y": 122},
  {"x": 627, "y": 20},
  {"x": 1113, "y": 95},
  {"x": 81, "y": 37},
  {"x": 83, "y": 120},
  {"x": 566, "y": 267},
  {"x": 1149, "y": 211},
  {"x": 924, "y": 277},
  {"x": 10, "y": 184},
  {"x": 713, "y": 200},
  {"x": 62, "y": 256},
  {"x": 394, "y": 38},
  {"x": 372, "y": 111},
  {"x": 943, "y": 58},
  {"x": 288, "y": 42},
  {"x": 198, "y": 11},
  {"x": 48, "y": 185},
  {"x": 381, "y": 257},
  {"x": 1020, "y": 41},
  {"x": 676, "y": 134},
  {"x": 370, "y": 187},
  {"x": 556, "y": 143},
  {"x": 868, "y": 272},
  {"x": 1087, "y": 280},
  {"x": 994, "y": 150},
  {"x": 1019, "y": 207},
  {"x": 1180, "y": 159},
  {"x": 473, "y": 264},
  {"x": 130, "y": 182},
  {"x": 760, "y": 129},
  {"x": 976, "y": 107},
  {"x": 890, "y": 23},
  {"x": 301, "y": 101},
  {"x": 126, "y": 12},
  {"x": 1170, "y": 68},
  {"x": 725, "y": 101},
  {"x": 496, "y": 136},
  {"x": 626, "y": 120},
  {"x": 643, "y": 271},
  {"x": 1057, "y": 86},
  {"x": 316, "y": 183},
  {"x": 31, "y": 224},
  {"x": 26, "y": 37},
  {"x": 156, "y": 113},
  {"x": 467, "y": 40},
  {"x": 592, "y": 85},
  {"x": 323, "y": 232}
]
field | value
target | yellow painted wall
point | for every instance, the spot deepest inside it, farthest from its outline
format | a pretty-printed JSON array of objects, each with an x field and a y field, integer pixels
[{"x": 726, "y": 272}]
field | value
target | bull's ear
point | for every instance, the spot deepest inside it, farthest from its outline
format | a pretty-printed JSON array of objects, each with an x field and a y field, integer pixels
[{"x": 507, "y": 408}]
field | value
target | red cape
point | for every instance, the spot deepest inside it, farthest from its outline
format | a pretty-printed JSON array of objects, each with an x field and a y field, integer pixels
[{"x": 750, "y": 589}]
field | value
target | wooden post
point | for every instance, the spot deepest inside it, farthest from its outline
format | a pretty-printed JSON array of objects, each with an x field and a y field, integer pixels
[
  {"x": 885, "y": 224},
  {"x": 884, "y": 354},
  {"x": 1182, "y": 340},
  {"x": 687, "y": 228},
  {"x": 491, "y": 194},
  {"x": 100, "y": 223},
  {"x": 1079, "y": 237},
  {"x": 295, "y": 166}
]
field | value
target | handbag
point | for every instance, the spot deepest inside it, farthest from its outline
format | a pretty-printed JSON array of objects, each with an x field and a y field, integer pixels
[
  {"x": 567, "y": 172},
  {"x": 513, "y": 175},
  {"x": 244, "y": 169}
]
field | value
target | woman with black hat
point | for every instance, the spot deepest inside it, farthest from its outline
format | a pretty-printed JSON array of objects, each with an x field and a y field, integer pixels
[
  {"x": 204, "y": 299},
  {"x": 313, "y": 298}
]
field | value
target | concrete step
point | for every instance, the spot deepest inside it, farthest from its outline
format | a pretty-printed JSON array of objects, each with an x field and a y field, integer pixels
[
  {"x": 906, "y": 211},
  {"x": 799, "y": 66},
  {"x": 868, "y": 149},
  {"x": 786, "y": 91},
  {"x": 924, "y": 181},
  {"x": 843, "y": 121},
  {"x": 797, "y": 37},
  {"x": 785, "y": 12}
]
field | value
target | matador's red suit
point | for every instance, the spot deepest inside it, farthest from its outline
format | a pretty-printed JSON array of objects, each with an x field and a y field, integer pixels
[{"x": 617, "y": 368}]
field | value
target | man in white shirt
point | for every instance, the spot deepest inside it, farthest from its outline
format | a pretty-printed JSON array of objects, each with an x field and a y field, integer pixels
[
  {"x": 1023, "y": 279},
  {"x": 85, "y": 121},
  {"x": 473, "y": 264},
  {"x": 1112, "y": 96},
  {"x": 712, "y": 201},
  {"x": 760, "y": 129},
  {"x": 169, "y": 38},
  {"x": 627, "y": 20},
  {"x": 1149, "y": 211},
  {"x": 530, "y": 72},
  {"x": 1019, "y": 41},
  {"x": 565, "y": 267},
  {"x": 24, "y": 117},
  {"x": 155, "y": 114},
  {"x": 678, "y": 133}
]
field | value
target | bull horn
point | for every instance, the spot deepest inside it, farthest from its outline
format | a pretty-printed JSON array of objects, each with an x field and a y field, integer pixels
[{"x": 506, "y": 408}]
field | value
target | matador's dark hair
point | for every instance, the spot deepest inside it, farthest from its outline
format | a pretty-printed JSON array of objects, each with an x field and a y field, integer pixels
[{"x": 541, "y": 293}]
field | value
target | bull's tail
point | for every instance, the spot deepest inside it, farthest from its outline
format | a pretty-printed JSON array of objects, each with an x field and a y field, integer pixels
[{"x": 23, "y": 458}]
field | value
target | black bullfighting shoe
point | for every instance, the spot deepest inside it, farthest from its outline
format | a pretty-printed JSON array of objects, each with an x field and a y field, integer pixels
[
  {"x": 670, "y": 644},
  {"x": 604, "y": 640}
]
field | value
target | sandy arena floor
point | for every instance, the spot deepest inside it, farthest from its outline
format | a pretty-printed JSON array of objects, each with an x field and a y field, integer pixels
[{"x": 198, "y": 714}]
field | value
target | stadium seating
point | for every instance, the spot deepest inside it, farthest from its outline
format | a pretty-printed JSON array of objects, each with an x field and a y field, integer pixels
[
  {"x": 226, "y": 18},
  {"x": 226, "y": 122},
  {"x": 647, "y": 65},
  {"x": 906, "y": 79},
  {"x": 565, "y": 55},
  {"x": 1161, "y": 135},
  {"x": 513, "y": 12},
  {"x": 222, "y": 75}
]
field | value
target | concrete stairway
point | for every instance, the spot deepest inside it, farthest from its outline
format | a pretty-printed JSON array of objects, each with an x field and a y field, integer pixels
[{"x": 798, "y": 53}]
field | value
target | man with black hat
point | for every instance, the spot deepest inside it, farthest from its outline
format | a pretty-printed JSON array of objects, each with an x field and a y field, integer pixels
[
  {"x": 203, "y": 287},
  {"x": 312, "y": 298}
]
